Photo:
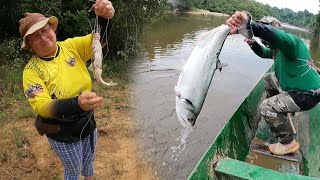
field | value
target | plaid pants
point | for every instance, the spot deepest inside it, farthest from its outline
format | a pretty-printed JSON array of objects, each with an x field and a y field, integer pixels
[{"x": 76, "y": 158}]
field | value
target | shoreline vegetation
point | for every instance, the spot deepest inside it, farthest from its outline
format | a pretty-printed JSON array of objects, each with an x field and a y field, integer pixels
[{"x": 201, "y": 12}]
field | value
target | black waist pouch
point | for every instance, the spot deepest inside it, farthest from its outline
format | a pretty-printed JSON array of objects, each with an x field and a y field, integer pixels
[
  {"x": 44, "y": 126},
  {"x": 67, "y": 130}
]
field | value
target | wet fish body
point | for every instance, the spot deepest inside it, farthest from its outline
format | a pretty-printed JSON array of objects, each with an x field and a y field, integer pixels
[{"x": 196, "y": 76}]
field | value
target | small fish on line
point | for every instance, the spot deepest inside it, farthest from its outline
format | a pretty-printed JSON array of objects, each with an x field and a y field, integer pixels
[{"x": 97, "y": 57}]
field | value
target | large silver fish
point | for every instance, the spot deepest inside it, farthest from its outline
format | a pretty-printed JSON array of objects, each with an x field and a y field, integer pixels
[{"x": 197, "y": 73}]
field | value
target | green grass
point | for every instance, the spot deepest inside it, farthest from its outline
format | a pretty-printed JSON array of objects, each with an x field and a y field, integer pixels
[
  {"x": 118, "y": 99},
  {"x": 4, "y": 157},
  {"x": 11, "y": 92},
  {"x": 118, "y": 70},
  {"x": 56, "y": 176},
  {"x": 18, "y": 137},
  {"x": 107, "y": 107},
  {"x": 25, "y": 111}
]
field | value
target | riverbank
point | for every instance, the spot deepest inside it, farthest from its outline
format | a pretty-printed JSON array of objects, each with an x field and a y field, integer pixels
[
  {"x": 202, "y": 12},
  {"x": 24, "y": 154}
]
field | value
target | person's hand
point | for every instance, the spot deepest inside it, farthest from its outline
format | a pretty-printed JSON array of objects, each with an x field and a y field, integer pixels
[
  {"x": 103, "y": 8},
  {"x": 235, "y": 21},
  {"x": 89, "y": 101},
  {"x": 249, "y": 41}
]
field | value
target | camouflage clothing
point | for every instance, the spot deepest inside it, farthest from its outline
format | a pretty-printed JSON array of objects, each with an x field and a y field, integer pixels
[
  {"x": 294, "y": 74},
  {"x": 274, "y": 109}
]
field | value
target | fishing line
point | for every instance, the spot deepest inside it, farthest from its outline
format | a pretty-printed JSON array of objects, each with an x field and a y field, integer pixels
[
  {"x": 107, "y": 43},
  {"x": 89, "y": 118},
  {"x": 97, "y": 29}
]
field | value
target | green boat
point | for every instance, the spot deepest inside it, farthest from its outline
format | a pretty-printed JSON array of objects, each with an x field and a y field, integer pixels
[{"x": 233, "y": 154}]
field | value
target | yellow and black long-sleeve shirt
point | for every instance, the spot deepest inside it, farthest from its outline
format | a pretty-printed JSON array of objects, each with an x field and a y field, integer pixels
[{"x": 52, "y": 85}]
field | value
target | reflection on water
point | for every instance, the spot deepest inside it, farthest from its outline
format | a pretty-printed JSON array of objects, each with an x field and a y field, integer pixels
[{"x": 172, "y": 39}]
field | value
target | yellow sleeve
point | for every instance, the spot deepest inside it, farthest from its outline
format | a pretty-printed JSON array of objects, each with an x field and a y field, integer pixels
[
  {"x": 83, "y": 46},
  {"x": 37, "y": 93}
]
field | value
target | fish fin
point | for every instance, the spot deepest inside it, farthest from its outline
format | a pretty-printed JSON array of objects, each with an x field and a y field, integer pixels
[
  {"x": 221, "y": 65},
  {"x": 176, "y": 91}
]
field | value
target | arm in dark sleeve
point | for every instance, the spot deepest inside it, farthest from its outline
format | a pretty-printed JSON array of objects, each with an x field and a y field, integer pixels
[
  {"x": 278, "y": 39},
  {"x": 66, "y": 108},
  {"x": 260, "y": 50}
]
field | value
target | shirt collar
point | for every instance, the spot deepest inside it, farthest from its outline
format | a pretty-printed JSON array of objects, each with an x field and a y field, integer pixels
[{"x": 52, "y": 57}]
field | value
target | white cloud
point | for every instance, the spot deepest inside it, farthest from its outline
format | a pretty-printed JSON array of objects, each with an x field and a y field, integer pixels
[{"x": 295, "y": 5}]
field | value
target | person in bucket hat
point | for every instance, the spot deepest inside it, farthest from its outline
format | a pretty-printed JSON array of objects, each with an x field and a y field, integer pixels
[
  {"x": 33, "y": 22},
  {"x": 295, "y": 85},
  {"x": 58, "y": 86}
]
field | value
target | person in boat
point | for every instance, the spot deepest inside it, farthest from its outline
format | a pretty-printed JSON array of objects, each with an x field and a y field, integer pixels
[
  {"x": 295, "y": 85},
  {"x": 58, "y": 86}
]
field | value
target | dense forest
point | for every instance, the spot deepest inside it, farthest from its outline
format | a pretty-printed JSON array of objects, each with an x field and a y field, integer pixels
[
  {"x": 74, "y": 20},
  {"x": 302, "y": 18}
]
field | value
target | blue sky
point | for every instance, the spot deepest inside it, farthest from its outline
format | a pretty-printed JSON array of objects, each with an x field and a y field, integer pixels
[{"x": 295, "y": 5}]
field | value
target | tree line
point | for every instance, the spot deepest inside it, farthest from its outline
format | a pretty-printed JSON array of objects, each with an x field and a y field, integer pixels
[{"x": 301, "y": 19}]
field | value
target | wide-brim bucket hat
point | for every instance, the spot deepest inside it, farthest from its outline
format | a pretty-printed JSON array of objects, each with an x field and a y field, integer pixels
[
  {"x": 33, "y": 22},
  {"x": 272, "y": 21}
]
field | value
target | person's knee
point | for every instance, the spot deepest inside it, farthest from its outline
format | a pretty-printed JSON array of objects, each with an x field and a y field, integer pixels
[
  {"x": 267, "y": 110},
  {"x": 73, "y": 169},
  {"x": 87, "y": 170},
  {"x": 267, "y": 77}
]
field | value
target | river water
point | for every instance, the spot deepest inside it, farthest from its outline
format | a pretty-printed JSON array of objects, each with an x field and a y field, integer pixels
[{"x": 167, "y": 45}]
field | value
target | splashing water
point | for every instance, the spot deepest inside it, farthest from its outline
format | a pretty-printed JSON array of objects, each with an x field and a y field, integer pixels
[{"x": 176, "y": 150}]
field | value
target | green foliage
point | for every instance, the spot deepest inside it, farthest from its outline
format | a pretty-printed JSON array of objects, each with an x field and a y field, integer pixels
[
  {"x": 300, "y": 19},
  {"x": 74, "y": 24},
  {"x": 316, "y": 23},
  {"x": 11, "y": 53},
  {"x": 258, "y": 10}
]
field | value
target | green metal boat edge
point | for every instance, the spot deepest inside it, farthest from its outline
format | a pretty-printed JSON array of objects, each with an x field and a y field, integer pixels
[
  {"x": 234, "y": 139},
  {"x": 242, "y": 125},
  {"x": 226, "y": 168}
]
